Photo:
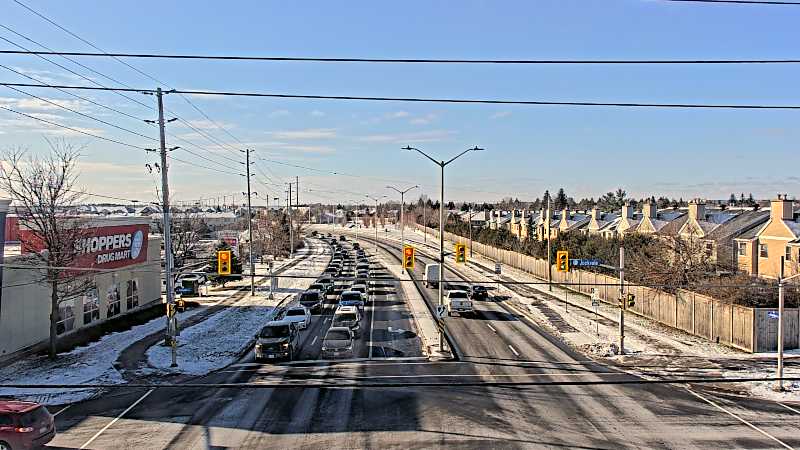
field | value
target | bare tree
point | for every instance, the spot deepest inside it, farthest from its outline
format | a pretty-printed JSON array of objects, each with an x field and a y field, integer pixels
[
  {"x": 187, "y": 229},
  {"x": 44, "y": 190}
]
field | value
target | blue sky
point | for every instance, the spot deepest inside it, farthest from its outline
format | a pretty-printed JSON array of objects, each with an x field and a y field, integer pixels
[{"x": 588, "y": 151}]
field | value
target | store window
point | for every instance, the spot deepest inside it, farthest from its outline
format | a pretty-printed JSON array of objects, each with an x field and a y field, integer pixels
[
  {"x": 91, "y": 306},
  {"x": 66, "y": 316},
  {"x": 132, "y": 294},
  {"x": 112, "y": 295}
]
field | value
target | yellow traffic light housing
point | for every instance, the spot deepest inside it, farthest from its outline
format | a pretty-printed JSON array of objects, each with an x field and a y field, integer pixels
[
  {"x": 224, "y": 262},
  {"x": 461, "y": 253},
  {"x": 562, "y": 261},
  {"x": 408, "y": 257}
]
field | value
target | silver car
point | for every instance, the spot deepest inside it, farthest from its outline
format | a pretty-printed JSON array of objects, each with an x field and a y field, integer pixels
[{"x": 338, "y": 341}]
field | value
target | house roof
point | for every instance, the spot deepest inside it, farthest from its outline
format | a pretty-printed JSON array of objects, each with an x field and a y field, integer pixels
[
  {"x": 610, "y": 225},
  {"x": 738, "y": 223}
]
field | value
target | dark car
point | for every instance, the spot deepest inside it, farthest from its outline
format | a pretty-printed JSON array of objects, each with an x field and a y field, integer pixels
[
  {"x": 328, "y": 283},
  {"x": 479, "y": 293},
  {"x": 278, "y": 339},
  {"x": 312, "y": 299},
  {"x": 25, "y": 425},
  {"x": 342, "y": 238},
  {"x": 356, "y": 246}
]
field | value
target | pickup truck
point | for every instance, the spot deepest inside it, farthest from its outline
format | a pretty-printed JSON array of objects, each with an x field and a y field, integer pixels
[
  {"x": 277, "y": 339},
  {"x": 458, "y": 302},
  {"x": 431, "y": 275}
]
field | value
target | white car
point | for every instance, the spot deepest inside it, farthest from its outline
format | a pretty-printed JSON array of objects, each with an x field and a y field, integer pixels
[{"x": 299, "y": 315}]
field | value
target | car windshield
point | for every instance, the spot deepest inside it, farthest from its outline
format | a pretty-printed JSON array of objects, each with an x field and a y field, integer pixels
[
  {"x": 351, "y": 296},
  {"x": 337, "y": 335},
  {"x": 275, "y": 331},
  {"x": 309, "y": 296},
  {"x": 317, "y": 287},
  {"x": 345, "y": 317},
  {"x": 458, "y": 294},
  {"x": 295, "y": 312},
  {"x": 34, "y": 417}
]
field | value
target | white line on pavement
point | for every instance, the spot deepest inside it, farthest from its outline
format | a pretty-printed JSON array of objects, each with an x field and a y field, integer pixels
[
  {"x": 513, "y": 350},
  {"x": 315, "y": 340},
  {"x": 491, "y": 327},
  {"x": 461, "y": 375},
  {"x": 116, "y": 419},
  {"x": 789, "y": 408},
  {"x": 738, "y": 418},
  {"x": 62, "y": 410}
]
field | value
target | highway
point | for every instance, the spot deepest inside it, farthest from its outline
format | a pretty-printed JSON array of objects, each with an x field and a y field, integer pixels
[{"x": 425, "y": 407}]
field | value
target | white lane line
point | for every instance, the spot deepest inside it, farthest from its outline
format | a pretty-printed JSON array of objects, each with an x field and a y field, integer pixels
[
  {"x": 116, "y": 419},
  {"x": 513, "y": 350},
  {"x": 62, "y": 410},
  {"x": 327, "y": 319},
  {"x": 739, "y": 419},
  {"x": 491, "y": 327},
  {"x": 315, "y": 340},
  {"x": 785, "y": 406}
]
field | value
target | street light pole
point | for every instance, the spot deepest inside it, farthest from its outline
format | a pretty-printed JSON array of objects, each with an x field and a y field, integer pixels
[
  {"x": 442, "y": 165},
  {"x": 402, "y": 212},
  {"x": 375, "y": 220},
  {"x": 470, "y": 231}
]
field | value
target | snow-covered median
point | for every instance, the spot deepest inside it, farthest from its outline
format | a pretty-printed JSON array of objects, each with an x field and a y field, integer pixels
[{"x": 221, "y": 340}]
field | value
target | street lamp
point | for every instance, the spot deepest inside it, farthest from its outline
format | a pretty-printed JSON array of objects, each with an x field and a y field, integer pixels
[
  {"x": 402, "y": 207},
  {"x": 442, "y": 165},
  {"x": 375, "y": 219}
]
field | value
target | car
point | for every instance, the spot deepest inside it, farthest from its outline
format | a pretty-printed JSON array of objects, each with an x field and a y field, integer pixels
[
  {"x": 277, "y": 339},
  {"x": 25, "y": 425},
  {"x": 478, "y": 292},
  {"x": 342, "y": 238},
  {"x": 348, "y": 316},
  {"x": 356, "y": 246},
  {"x": 360, "y": 288},
  {"x": 328, "y": 283},
  {"x": 362, "y": 265},
  {"x": 332, "y": 271},
  {"x": 338, "y": 341},
  {"x": 351, "y": 298},
  {"x": 312, "y": 298},
  {"x": 458, "y": 301},
  {"x": 298, "y": 315}
]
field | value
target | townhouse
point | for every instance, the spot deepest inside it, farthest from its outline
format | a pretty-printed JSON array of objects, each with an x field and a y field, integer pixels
[{"x": 759, "y": 251}]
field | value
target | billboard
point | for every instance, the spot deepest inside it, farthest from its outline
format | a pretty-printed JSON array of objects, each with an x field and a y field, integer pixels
[{"x": 107, "y": 247}]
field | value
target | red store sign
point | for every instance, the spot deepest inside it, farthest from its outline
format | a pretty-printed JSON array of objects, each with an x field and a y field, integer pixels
[{"x": 102, "y": 247}]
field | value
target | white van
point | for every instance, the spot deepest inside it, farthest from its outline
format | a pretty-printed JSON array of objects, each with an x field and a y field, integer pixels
[{"x": 431, "y": 275}]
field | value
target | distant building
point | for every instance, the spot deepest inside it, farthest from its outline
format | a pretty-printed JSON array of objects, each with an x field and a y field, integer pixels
[{"x": 759, "y": 251}]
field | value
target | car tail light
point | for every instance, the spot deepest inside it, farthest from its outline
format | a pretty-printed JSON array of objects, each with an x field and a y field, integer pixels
[{"x": 24, "y": 430}]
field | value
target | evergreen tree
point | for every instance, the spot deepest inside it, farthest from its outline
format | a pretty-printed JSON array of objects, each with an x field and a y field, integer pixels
[
  {"x": 732, "y": 200},
  {"x": 546, "y": 199},
  {"x": 560, "y": 201}
]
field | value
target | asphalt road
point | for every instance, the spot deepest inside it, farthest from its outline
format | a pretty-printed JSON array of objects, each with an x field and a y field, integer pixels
[{"x": 494, "y": 346}]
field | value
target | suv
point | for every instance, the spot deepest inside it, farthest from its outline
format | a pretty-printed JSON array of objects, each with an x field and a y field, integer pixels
[
  {"x": 337, "y": 341},
  {"x": 278, "y": 339},
  {"x": 25, "y": 425},
  {"x": 479, "y": 292},
  {"x": 458, "y": 302},
  {"x": 348, "y": 316},
  {"x": 328, "y": 283},
  {"x": 351, "y": 298}
]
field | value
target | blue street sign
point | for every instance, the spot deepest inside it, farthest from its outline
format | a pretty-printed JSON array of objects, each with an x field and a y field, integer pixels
[
  {"x": 772, "y": 314},
  {"x": 584, "y": 262}
]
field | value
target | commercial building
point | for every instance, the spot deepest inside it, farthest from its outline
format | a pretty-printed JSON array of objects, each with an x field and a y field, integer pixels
[{"x": 118, "y": 269}]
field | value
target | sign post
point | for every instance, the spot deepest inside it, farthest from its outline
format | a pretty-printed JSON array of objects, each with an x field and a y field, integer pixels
[
  {"x": 596, "y": 305},
  {"x": 273, "y": 282}
]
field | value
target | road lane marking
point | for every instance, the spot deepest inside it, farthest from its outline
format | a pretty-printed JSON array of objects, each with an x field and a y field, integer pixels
[
  {"x": 513, "y": 350},
  {"x": 334, "y": 378},
  {"x": 739, "y": 418},
  {"x": 789, "y": 408},
  {"x": 315, "y": 340},
  {"x": 491, "y": 327},
  {"x": 116, "y": 419},
  {"x": 62, "y": 410}
]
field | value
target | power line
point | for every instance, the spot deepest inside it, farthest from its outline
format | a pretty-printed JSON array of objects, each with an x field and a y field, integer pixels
[
  {"x": 441, "y": 100},
  {"x": 431, "y": 60},
  {"x": 72, "y": 129},
  {"x": 745, "y": 2},
  {"x": 202, "y": 166}
]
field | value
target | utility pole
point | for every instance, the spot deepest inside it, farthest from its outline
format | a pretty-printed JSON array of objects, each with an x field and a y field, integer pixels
[
  {"x": 470, "y": 231},
  {"x": 549, "y": 252},
  {"x": 442, "y": 165},
  {"x": 402, "y": 210},
  {"x": 291, "y": 227},
  {"x": 168, "y": 262},
  {"x": 622, "y": 297},
  {"x": 250, "y": 225},
  {"x": 424, "y": 225},
  {"x": 297, "y": 191}
]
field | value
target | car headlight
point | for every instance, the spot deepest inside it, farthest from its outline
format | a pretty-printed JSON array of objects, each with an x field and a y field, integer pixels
[
  {"x": 285, "y": 345},
  {"x": 258, "y": 346}
]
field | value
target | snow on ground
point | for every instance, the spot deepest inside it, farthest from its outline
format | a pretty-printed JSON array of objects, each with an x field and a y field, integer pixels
[
  {"x": 665, "y": 351},
  {"x": 220, "y": 340},
  {"x": 92, "y": 363}
]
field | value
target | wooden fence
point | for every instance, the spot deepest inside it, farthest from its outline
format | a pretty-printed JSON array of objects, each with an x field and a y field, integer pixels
[{"x": 745, "y": 328}]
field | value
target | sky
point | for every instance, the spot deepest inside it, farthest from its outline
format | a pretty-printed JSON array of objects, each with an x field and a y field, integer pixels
[{"x": 586, "y": 150}]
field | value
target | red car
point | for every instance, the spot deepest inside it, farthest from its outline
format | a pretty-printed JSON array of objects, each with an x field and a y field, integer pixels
[{"x": 24, "y": 425}]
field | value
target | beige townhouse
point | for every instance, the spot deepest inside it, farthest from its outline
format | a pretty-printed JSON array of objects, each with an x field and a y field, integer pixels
[{"x": 759, "y": 252}]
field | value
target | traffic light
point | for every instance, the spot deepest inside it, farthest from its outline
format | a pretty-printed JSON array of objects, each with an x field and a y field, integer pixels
[
  {"x": 631, "y": 300},
  {"x": 621, "y": 303},
  {"x": 408, "y": 257},
  {"x": 170, "y": 309},
  {"x": 562, "y": 261},
  {"x": 461, "y": 253},
  {"x": 224, "y": 262}
]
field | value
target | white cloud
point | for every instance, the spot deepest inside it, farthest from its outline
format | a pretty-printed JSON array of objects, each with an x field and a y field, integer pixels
[
  {"x": 309, "y": 133},
  {"x": 317, "y": 113},
  {"x": 208, "y": 125},
  {"x": 424, "y": 136},
  {"x": 398, "y": 114},
  {"x": 424, "y": 120},
  {"x": 41, "y": 105},
  {"x": 500, "y": 115},
  {"x": 278, "y": 113}
]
